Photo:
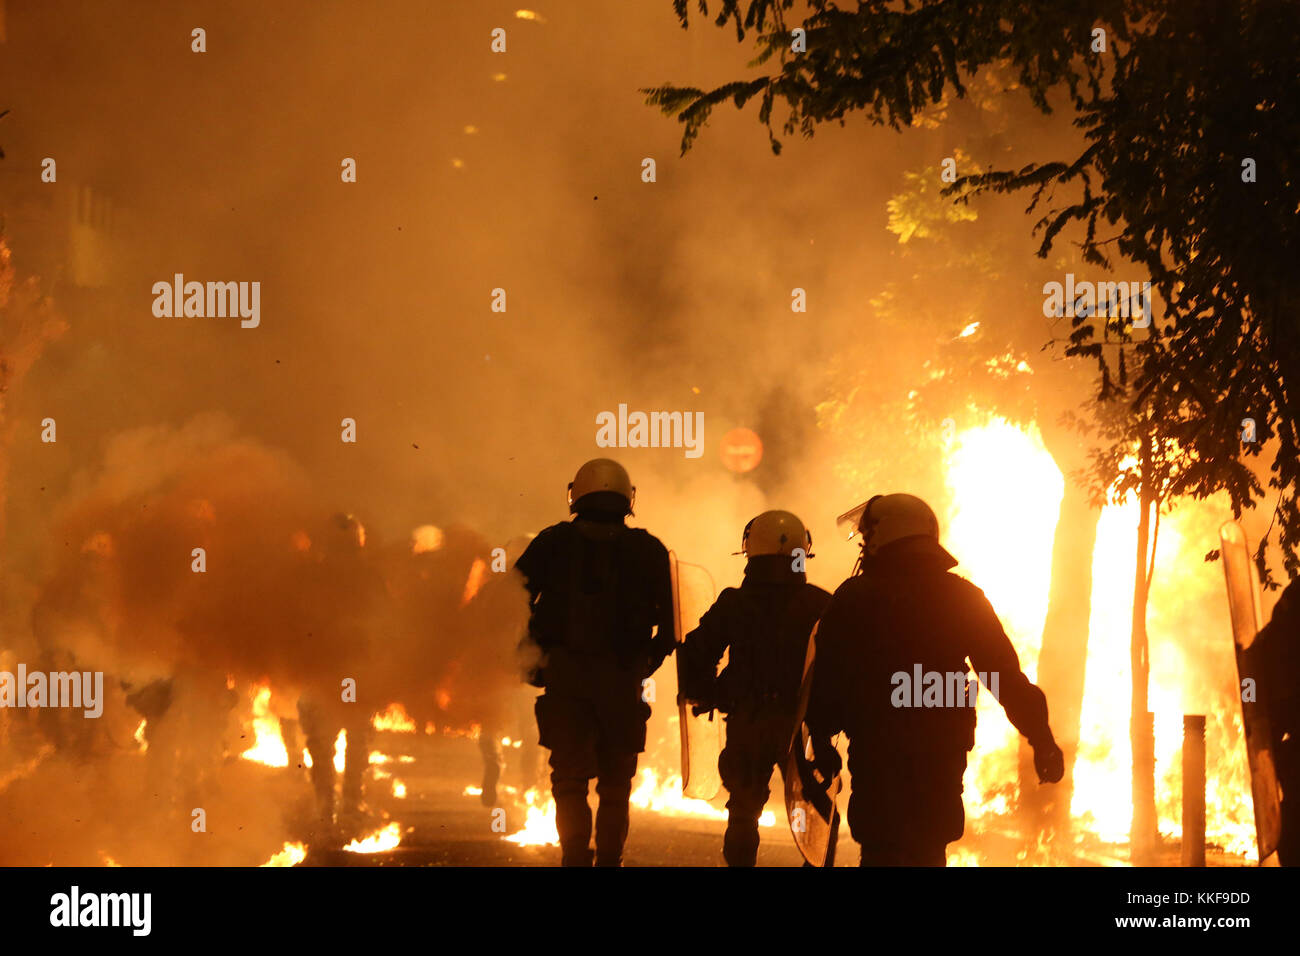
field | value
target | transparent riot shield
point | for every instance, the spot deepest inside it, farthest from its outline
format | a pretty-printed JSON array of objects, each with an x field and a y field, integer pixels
[
  {"x": 693, "y": 594},
  {"x": 1244, "y": 609},
  {"x": 810, "y": 799}
]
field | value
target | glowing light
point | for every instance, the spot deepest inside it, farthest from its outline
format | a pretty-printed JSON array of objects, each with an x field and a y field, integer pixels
[{"x": 425, "y": 538}]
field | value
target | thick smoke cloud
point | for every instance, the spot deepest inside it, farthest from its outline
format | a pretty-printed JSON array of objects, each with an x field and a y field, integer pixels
[{"x": 475, "y": 171}]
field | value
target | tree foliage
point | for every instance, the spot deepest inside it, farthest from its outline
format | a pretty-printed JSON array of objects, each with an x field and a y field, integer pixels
[{"x": 1185, "y": 92}]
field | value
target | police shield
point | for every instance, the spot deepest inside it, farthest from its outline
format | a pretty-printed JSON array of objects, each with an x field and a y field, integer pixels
[
  {"x": 1244, "y": 610},
  {"x": 810, "y": 797},
  {"x": 701, "y": 734}
]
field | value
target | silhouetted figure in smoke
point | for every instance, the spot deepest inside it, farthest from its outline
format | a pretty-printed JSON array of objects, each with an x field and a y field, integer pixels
[
  {"x": 340, "y": 565},
  {"x": 488, "y": 675},
  {"x": 188, "y": 732},
  {"x": 189, "y": 713},
  {"x": 905, "y": 619},
  {"x": 601, "y": 623},
  {"x": 765, "y": 623},
  {"x": 456, "y": 614},
  {"x": 1274, "y": 660}
]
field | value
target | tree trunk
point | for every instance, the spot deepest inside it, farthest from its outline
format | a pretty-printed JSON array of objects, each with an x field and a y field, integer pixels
[
  {"x": 1143, "y": 829},
  {"x": 1063, "y": 655}
]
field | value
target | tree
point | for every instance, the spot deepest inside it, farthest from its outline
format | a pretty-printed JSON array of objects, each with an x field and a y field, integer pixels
[
  {"x": 1190, "y": 116},
  {"x": 1190, "y": 124}
]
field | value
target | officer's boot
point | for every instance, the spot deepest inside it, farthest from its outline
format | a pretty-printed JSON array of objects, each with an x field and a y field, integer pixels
[
  {"x": 740, "y": 842},
  {"x": 614, "y": 787},
  {"x": 572, "y": 820}
]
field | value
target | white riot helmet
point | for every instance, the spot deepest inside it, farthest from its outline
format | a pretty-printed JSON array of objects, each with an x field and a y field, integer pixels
[
  {"x": 775, "y": 532},
  {"x": 885, "y": 519},
  {"x": 601, "y": 474}
]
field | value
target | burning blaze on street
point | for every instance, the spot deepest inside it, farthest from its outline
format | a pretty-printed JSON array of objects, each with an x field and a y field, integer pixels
[
  {"x": 368, "y": 488},
  {"x": 1003, "y": 494}
]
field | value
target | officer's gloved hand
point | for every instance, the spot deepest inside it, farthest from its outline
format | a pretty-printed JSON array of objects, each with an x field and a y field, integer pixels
[{"x": 1049, "y": 762}]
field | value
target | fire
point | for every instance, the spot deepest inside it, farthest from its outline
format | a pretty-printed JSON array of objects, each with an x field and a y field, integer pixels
[
  {"x": 539, "y": 824},
  {"x": 381, "y": 758},
  {"x": 381, "y": 841},
  {"x": 959, "y": 856},
  {"x": 291, "y": 855},
  {"x": 474, "y": 580},
  {"x": 1006, "y": 491},
  {"x": 399, "y": 789},
  {"x": 341, "y": 751},
  {"x": 666, "y": 798},
  {"x": 395, "y": 718},
  {"x": 139, "y": 737},
  {"x": 650, "y": 793},
  {"x": 1190, "y": 656},
  {"x": 268, "y": 744}
]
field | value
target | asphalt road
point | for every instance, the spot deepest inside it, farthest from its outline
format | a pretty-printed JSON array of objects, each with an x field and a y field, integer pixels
[{"x": 442, "y": 826}]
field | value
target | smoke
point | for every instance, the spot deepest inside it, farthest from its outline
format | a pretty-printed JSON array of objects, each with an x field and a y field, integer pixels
[{"x": 476, "y": 172}]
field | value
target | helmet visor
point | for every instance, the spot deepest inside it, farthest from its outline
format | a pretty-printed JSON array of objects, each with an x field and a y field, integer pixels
[{"x": 850, "y": 523}]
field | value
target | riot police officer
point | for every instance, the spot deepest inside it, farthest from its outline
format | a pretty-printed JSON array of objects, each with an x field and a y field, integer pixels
[
  {"x": 902, "y": 616},
  {"x": 764, "y": 626},
  {"x": 601, "y": 622}
]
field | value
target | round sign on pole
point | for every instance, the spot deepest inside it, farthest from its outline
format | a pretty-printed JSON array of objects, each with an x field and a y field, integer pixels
[{"x": 742, "y": 450}]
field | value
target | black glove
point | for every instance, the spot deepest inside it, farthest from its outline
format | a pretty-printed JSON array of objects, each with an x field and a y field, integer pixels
[{"x": 1049, "y": 762}]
